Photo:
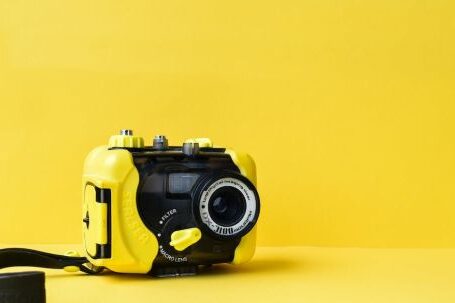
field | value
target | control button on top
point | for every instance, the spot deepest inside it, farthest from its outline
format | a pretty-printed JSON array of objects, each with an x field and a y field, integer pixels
[
  {"x": 160, "y": 142},
  {"x": 126, "y": 139},
  {"x": 190, "y": 149}
]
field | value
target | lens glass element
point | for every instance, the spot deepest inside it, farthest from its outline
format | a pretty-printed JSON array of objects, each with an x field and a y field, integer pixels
[{"x": 227, "y": 206}]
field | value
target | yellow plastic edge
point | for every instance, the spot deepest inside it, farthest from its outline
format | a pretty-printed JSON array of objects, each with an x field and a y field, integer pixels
[
  {"x": 133, "y": 246},
  {"x": 247, "y": 246},
  {"x": 126, "y": 141}
]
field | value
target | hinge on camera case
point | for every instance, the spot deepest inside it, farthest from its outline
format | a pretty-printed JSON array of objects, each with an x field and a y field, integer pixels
[{"x": 97, "y": 221}]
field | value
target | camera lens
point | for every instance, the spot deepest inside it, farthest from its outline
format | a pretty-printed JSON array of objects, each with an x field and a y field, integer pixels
[{"x": 227, "y": 206}]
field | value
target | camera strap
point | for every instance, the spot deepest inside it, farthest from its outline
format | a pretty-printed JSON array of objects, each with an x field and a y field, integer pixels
[{"x": 10, "y": 257}]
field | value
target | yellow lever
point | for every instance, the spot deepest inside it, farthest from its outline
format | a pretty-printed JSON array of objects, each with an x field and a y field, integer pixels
[{"x": 181, "y": 239}]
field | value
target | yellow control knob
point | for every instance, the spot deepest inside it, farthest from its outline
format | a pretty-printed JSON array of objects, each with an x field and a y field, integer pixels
[
  {"x": 181, "y": 239},
  {"x": 203, "y": 142},
  {"x": 126, "y": 139}
]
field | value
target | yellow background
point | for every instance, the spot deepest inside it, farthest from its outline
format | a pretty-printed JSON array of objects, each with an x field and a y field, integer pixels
[
  {"x": 277, "y": 274},
  {"x": 347, "y": 106}
]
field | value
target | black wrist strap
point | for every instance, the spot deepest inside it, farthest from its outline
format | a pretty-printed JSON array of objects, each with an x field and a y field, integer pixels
[{"x": 28, "y": 257}]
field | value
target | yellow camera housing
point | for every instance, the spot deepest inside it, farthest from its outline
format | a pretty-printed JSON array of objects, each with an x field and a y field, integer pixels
[{"x": 119, "y": 196}]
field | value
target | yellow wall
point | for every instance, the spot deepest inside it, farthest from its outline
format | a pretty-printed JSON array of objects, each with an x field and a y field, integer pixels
[{"x": 347, "y": 106}]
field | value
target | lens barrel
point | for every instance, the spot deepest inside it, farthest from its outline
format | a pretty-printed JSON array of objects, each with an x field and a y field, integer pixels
[{"x": 227, "y": 205}]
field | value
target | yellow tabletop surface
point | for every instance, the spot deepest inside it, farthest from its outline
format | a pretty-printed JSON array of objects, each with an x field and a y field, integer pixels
[{"x": 276, "y": 274}]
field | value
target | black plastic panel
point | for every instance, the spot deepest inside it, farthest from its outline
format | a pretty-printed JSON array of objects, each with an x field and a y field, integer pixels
[{"x": 164, "y": 211}]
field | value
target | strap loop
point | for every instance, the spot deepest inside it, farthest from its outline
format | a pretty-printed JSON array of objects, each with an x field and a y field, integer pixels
[{"x": 28, "y": 257}]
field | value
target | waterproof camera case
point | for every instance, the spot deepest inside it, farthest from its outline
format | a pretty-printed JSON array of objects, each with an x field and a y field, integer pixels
[{"x": 162, "y": 210}]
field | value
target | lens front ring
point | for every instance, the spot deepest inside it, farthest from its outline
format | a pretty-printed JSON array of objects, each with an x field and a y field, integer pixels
[{"x": 238, "y": 205}]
